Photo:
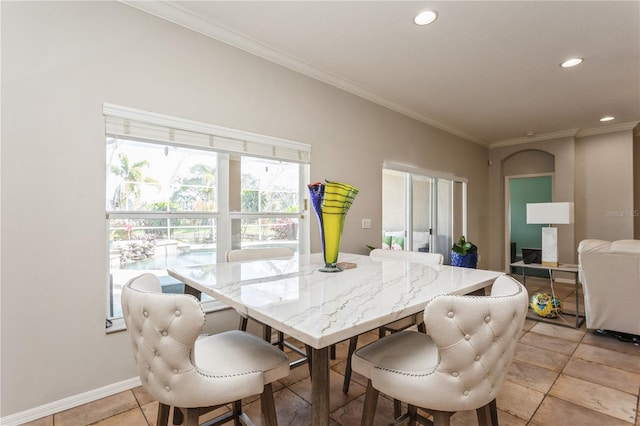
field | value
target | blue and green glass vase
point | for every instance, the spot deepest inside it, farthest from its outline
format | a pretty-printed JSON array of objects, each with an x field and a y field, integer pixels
[{"x": 331, "y": 202}]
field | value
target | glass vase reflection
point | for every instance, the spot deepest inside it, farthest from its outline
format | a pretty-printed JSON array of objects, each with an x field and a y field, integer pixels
[{"x": 331, "y": 202}]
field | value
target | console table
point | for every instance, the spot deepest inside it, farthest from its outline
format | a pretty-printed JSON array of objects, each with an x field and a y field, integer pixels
[{"x": 562, "y": 267}]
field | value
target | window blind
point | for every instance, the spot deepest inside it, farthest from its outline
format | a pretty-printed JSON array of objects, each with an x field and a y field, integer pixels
[{"x": 126, "y": 122}]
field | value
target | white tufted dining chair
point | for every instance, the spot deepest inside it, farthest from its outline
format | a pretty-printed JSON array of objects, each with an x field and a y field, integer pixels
[
  {"x": 191, "y": 373},
  {"x": 244, "y": 255},
  {"x": 239, "y": 255},
  {"x": 460, "y": 364},
  {"x": 432, "y": 259},
  {"x": 413, "y": 256}
]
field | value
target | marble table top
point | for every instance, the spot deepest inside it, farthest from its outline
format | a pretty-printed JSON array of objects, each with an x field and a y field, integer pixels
[{"x": 320, "y": 308}]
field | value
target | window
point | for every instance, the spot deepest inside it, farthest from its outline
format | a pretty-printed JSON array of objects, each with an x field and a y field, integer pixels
[
  {"x": 422, "y": 210},
  {"x": 175, "y": 196},
  {"x": 267, "y": 208}
]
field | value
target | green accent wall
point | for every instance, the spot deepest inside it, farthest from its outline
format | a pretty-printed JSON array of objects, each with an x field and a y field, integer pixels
[{"x": 522, "y": 191}]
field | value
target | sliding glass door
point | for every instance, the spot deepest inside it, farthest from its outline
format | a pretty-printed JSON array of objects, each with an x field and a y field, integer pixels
[{"x": 422, "y": 210}]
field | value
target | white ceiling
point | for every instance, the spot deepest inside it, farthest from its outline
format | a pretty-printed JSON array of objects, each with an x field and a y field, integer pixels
[{"x": 486, "y": 71}]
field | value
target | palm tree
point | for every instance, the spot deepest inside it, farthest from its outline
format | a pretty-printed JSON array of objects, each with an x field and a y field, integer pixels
[
  {"x": 131, "y": 175},
  {"x": 196, "y": 191}
]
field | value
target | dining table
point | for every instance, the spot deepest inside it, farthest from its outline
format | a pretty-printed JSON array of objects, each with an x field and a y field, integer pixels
[{"x": 321, "y": 309}]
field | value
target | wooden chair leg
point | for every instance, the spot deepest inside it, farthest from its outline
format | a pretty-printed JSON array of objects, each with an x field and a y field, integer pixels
[
  {"x": 353, "y": 343},
  {"x": 370, "y": 403},
  {"x": 493, "y": 410},
  {"x": 441, "y": 418},
  {"x": 281, "y": 340},
  {"x": 192, "y": 417},
  {"x": 268, "y": 406},
  {"x": 397, "y": 408},
  {"x": 412, "y": 412},
  {"x": 243, "y": 323},
  {"x": 266, "y": 333},
  {"x": 237, "y": 412},
  {"x": 484, "y": 416},
  {"x": 178, "y": 416},
  {"x": 163, "y": 415}
]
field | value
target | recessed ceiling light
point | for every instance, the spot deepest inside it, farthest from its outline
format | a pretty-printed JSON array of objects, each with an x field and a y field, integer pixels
[
  {"x": 425, "y": 18},
  {"x": 572, "y": 62},
  {"x": 608, "y": 118}
]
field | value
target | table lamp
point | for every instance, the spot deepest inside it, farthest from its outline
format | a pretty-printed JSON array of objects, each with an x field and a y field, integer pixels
[{"x": 550, "y": 214}]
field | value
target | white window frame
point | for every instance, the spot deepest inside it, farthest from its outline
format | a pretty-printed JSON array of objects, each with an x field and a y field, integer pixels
[
  {"x": 434, "y": 175},
  {"x": 133, "y": 124}
]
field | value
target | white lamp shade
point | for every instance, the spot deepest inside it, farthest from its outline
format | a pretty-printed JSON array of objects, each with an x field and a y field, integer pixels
[{"x": 550, "y": 213}]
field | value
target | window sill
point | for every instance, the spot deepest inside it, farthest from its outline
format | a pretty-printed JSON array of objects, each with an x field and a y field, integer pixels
[{"x": 208, "y": 307}]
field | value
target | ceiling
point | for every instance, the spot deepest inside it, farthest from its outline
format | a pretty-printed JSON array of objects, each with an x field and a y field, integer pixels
[{"x": 485, "y": 71}]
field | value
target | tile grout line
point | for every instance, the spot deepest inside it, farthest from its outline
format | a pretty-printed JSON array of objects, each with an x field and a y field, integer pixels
[{"x": 547, "y": 394}]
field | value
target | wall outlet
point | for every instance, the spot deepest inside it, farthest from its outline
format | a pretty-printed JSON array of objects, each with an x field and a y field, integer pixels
[{"x": 366, "y": 223}]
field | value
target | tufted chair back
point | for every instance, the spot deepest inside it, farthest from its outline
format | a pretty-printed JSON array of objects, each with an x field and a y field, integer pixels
[
  {"x": 266, "y": 253},
  {"x": 431, "y": 259},
  {"x": 238, "y": 255},
  {"x": 475, "y": 339},
  {"x": 163, "y": 330},
  {"x": 413, "y": 256}
]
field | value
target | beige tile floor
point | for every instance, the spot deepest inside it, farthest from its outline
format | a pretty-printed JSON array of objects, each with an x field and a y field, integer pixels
[{"x": 558, "y": 376}]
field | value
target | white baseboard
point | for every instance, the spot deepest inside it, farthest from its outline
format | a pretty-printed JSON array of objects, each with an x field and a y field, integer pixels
[{"x": 70, "y": 402}]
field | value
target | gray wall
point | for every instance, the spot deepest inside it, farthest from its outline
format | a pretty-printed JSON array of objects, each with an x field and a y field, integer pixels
[
  {"x": 60, "y": 62},
  {"x": 604, "y": 187}
]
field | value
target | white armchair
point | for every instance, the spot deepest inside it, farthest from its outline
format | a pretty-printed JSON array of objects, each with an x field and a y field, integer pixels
[
  {"x": 194, "y": 374},
  {"x": 460, "y": 364},
  {"x": 610, "y": 277}
]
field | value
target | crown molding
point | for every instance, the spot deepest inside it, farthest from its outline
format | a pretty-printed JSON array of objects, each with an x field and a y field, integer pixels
[
  {"x": 536, "y": 138},
  {"x": 607, "y": 129},
  {"x": 173, "y": 12},
  {"x": 573, "y": 133}
]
